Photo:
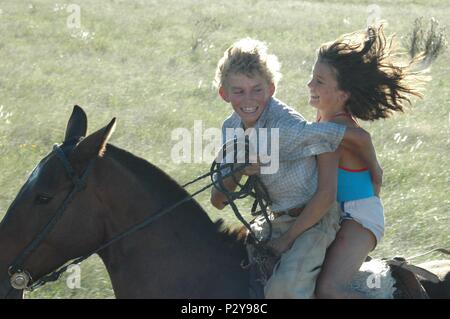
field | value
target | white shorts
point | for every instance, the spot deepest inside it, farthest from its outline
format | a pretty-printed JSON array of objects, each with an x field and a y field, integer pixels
[{"x": 368, "y": 212}]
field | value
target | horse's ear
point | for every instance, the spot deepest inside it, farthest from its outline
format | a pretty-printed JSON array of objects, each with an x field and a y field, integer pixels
[
  {"x": 77, "y": 125},
  {"x": 95, "y": 144}
]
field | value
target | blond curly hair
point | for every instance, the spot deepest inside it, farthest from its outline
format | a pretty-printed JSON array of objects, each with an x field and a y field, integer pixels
[{"x": 249, "y": 57}]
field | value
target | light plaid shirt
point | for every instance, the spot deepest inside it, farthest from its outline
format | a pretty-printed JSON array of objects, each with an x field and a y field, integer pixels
[{"x": 295, "y": 182}]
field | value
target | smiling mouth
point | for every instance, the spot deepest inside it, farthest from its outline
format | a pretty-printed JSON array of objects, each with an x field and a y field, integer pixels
[{"x": 249, "y": 110}]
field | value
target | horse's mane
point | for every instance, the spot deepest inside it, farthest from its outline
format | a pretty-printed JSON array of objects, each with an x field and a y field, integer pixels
[
  {"x": 235, "y": 234},
  {"x": 149, "y": 174},
  {"x": 169, "y": 190}
]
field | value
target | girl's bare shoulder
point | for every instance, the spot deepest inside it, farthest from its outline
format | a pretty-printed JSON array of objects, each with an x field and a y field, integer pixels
[{"x": 344, "y": 120}]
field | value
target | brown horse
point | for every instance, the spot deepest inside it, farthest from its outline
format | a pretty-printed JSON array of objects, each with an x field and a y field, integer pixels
[{"x": 86, "y": 191}]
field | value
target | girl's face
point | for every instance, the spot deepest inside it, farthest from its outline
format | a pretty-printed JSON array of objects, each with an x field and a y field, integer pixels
[
  {"x": 323, "y": 87},
  {"x": 249, "y": 96}
]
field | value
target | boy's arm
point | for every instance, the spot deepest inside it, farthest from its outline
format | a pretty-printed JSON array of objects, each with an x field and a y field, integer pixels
[
  {"x": 359, "y": 142},
  {"x": 218, "y": 199}
]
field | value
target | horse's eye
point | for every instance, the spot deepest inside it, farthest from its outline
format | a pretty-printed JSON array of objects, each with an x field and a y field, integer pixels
[{"x": 43, "y": 199}]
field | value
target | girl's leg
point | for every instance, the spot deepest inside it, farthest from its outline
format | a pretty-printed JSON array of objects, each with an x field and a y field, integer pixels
[{"x": 343, "y": 259}]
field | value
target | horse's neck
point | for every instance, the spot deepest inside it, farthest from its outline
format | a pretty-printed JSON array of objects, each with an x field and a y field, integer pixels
[
  {"x": 129, "y": 201},
  {"x": 172, "y": 257}
]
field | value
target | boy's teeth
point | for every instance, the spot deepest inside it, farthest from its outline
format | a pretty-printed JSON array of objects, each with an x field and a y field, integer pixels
[{"x": 249, "y": 109}]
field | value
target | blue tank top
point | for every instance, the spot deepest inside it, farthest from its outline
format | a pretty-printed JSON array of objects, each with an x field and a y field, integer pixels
[{"x": 354, "y": 185}]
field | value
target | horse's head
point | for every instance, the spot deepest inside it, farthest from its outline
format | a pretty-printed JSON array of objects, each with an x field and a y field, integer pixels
[{"x": 54, "y": 217}]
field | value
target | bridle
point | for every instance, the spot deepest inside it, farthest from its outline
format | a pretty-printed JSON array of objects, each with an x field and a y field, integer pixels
[{"x": 21, "y": 279}]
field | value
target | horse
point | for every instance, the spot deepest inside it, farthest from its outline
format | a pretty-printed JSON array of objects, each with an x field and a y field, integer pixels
[{"x": 87, "y": 191}]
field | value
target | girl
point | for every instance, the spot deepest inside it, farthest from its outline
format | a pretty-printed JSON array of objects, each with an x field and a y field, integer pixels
[{"x": 356, "y": 77}]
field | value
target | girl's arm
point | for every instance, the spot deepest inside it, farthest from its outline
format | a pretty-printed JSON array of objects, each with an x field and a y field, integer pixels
[
  {"x": 359, "y": 142},
  {"x": 317, "y": 207}
]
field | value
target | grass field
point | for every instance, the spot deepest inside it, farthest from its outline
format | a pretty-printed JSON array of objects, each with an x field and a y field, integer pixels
[{"x": 151, "y": 64}]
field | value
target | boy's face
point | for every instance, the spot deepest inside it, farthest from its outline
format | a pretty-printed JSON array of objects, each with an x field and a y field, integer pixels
[
  {"x": 249, "y": 96},
  {"x": 324, "y": 92}
]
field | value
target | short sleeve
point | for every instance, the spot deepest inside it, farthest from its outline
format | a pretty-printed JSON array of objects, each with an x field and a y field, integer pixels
[{"x": 302, "y": 139}]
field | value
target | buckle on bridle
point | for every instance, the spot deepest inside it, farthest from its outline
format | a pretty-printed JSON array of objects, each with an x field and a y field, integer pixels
[{"x": 20, "y": 279}]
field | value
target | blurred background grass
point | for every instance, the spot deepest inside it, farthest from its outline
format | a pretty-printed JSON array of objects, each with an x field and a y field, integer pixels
[{"x": 151, "y": 64}]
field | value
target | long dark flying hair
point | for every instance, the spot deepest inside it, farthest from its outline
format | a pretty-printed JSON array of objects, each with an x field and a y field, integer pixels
[{"x": 366, "y": 66}]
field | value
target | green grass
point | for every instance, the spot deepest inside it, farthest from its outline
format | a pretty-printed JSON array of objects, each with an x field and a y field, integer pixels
[{"x": 137, "y": 63}]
